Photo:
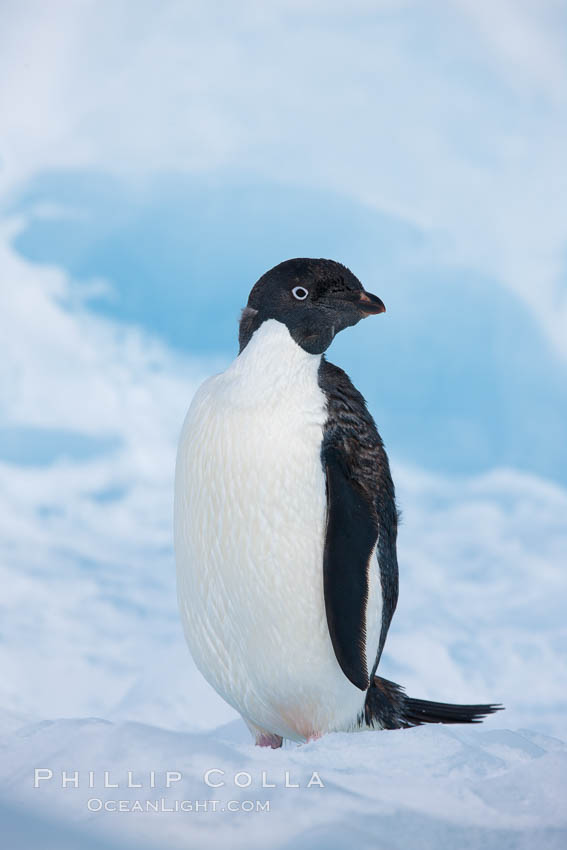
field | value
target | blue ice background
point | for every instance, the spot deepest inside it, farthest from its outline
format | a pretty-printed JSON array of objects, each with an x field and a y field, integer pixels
[{"x": 458, "y": 373}]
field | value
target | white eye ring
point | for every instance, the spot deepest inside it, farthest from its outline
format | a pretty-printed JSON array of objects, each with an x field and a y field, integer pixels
[{"x": 300, "y": 293}]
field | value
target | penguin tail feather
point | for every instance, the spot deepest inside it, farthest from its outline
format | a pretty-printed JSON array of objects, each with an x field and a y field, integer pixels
[{"x": 388, "y": 707}]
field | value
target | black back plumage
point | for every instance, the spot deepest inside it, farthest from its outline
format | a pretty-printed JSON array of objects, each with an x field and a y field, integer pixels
[
  {"x": 361, "y": 513},
  {"x": 359, "y": 480}
]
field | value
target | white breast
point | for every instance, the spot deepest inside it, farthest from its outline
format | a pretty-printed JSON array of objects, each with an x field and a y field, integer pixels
[{"x": 250, "y": 513}]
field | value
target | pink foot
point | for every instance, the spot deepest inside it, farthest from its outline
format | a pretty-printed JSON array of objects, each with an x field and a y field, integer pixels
[
  {"x": 266, "y": 739},
  {"x": 314, "y": 737}
]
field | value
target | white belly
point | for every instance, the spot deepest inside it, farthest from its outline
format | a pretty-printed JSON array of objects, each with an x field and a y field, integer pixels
[{"x": 250, "y": 518}]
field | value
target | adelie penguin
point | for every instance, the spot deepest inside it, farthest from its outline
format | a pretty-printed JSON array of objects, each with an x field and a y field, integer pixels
[{"x": 286, "y": 523}]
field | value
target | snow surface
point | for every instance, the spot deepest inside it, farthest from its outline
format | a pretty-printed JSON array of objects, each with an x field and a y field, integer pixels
[
  {"x": 90, "y": 628},
  {"x": 430, "y": 787}
]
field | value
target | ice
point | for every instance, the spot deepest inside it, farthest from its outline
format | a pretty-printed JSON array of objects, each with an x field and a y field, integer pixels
[
  {"x": 441, "y": 787},
  {"x": 96, "y": 675}
]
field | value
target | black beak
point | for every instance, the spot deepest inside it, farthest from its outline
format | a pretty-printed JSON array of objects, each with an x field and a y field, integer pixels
[{"x": 370, "y": 305}]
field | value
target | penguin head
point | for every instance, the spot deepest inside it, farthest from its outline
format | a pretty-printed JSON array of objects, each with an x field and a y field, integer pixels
[{"x": 315, "y": 299}]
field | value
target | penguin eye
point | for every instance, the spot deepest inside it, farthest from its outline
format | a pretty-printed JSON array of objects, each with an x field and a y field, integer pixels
[{"x": 300, "y": 293}]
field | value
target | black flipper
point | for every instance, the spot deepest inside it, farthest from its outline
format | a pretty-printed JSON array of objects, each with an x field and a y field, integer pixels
[
  {"x": 349, "y": 544},
  {"x": 359, "y": 491},
  {"x": 388, "y": 707}
]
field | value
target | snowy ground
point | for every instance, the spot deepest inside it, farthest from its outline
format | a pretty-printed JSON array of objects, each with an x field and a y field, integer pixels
[
  {"x": 90, "y": 630},
  {"x": 427, "y": 787}
]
